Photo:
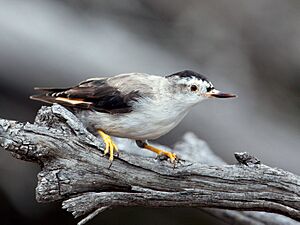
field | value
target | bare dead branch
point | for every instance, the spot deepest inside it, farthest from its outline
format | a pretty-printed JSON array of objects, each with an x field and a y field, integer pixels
[
  {"x": 73, "y": 170},
  {"x": 197, "y": 150}
]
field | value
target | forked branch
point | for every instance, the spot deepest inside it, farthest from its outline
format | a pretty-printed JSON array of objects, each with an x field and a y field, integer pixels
[{"x": 74, "y": 171}]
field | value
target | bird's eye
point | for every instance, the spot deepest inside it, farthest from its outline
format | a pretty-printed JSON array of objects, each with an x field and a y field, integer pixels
[{"x": 194, "y": 88}]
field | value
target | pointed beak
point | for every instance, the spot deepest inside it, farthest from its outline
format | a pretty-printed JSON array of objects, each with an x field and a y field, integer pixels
[{"x": 218, "y": 94}]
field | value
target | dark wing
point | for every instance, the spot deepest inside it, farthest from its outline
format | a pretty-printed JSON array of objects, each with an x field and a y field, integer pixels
[{"x": 94, "y": 94}]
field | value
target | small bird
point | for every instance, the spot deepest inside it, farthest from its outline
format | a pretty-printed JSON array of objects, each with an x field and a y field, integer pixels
[{"x": 137, "y": 106}]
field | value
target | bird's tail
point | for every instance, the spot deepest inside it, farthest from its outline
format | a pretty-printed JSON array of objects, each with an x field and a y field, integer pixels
[
  {"x": 58, "y": 95},
  {"x": 48, "y": 95}
]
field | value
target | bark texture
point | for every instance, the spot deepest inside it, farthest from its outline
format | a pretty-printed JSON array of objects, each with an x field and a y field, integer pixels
[{"x": 75, "y": 172}]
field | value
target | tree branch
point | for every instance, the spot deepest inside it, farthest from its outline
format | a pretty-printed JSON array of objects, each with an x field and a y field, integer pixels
[
  {"x": 74, "y": 170},
  {"x": 197, "y": 150}
]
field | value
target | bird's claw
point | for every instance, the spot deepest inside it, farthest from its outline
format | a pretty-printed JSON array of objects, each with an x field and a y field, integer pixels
[
  {"x": 172, "y": 157},
  {"x": 110, "y": 147}
]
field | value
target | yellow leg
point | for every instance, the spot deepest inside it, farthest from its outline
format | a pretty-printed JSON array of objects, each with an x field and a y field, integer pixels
[
  {"x": 110, "y": 146},
  {"x": 172, "y": 156}
]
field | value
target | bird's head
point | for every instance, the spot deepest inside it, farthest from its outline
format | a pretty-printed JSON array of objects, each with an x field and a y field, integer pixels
[{"x": 193, "y": 87}]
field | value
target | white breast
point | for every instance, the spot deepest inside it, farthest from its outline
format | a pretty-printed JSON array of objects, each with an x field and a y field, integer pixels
[{"x": 149, "y": 119}]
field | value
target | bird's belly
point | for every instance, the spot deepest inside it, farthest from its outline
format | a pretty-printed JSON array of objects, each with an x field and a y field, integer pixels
[
  {"x": 138, "y": 125},
  {"x": 147, "y": 128}
]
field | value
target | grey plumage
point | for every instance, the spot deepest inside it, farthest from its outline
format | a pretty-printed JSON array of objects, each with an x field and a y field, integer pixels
[{"x": 135, "y": 105}]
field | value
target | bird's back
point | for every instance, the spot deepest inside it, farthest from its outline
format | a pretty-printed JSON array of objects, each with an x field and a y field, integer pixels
[{"x": 110, "y": 95}]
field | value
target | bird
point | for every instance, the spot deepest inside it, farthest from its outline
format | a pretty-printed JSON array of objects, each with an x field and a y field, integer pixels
[{"x": 136, "y": 106}]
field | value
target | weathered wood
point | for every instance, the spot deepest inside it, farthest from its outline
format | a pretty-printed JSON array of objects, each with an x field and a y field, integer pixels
[
  {"x": 73, "y": 170},
  {"x": 197, "y": 150}
]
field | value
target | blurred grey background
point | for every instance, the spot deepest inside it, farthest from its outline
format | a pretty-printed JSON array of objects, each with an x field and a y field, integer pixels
[{"x": 250, "y": 48}]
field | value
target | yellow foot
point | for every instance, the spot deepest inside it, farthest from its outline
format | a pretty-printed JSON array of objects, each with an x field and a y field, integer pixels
[
  {"x": 172, "y": 156},
  {"x": 110, "y": 146}
]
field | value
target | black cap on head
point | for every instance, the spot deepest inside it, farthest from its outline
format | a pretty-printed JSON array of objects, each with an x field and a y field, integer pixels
[{"x": 188, "y": 74}]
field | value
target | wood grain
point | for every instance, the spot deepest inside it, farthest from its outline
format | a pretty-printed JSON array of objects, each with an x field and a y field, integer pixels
[{"x": 74, "y": 171}]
